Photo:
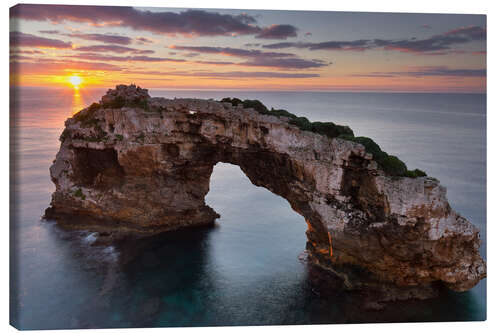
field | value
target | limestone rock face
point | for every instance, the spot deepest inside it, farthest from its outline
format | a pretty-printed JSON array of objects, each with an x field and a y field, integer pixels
[{"x": 138, "y": 164}]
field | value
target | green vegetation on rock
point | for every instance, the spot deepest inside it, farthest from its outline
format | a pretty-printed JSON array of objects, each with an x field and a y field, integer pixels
[
  {"x": 140, "y": 137},
  {"x": 281, "y": 113},
  {"x": 95, "y": 138},
  {"x": 325, "y": 128},
  {"x": 120, "y": 102},
  {"x": 87, "y": 116},
  {"x": 94, "y": 107},
  {"x": 79, "y": 194},
  {"x": 415, "y": 173},
  {"x": 391, "y": 164}
]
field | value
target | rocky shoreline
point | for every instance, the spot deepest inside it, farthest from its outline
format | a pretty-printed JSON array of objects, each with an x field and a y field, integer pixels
[{"x": 132, "y": 164}]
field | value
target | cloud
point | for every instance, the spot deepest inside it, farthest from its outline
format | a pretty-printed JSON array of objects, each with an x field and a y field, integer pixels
[
  {"x": 470, "y": 32},
  {"x": 105, "y": 38},
  {"x": 215, "y": 62},
  {"x": 269, "y": 75},
  {"x": 144, "y": 40},
  {"x": 453, "y": 52},
  {"x": 355, "y": 45},
  {"x": 192, "y": 22},
  {"x": 162, "y": 73},
  {"x": 139, "y": 58},
  {"x": 238, "y": 74},
  {"x": 257, "y": 57},
  {"x": 49, "y": 32},
  {"x": 437, "y": 43},
  {"x": 423, "y": 71},
  {"x": 278, "y": 31},
  {"x": 57, "y": 67},
  {"x": 154, "y": 59},
  {"x": 17, "y": 57},
  {"x": 230, "y": 51},
  {"x": 284, "y": 45},
  {"x": 20, "y": 39},
  {"x": 17, "y": 51},
  {"x": 291, "y": 63},
  {"x": 252, "y": 45},
  {"x": 112, "y": 48},
  {"x": 189, "y": 22},
  {"x": 232, "y": 74}
]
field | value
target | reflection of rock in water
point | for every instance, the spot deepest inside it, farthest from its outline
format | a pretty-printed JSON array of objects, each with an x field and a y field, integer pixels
[
  {"x": 153, "y": 275},
  {"x": 379, "y": 303},
  {"x": 100, "y": 259},
  {"x": 149, "y": 308},
  {"x": 162, "y": 281},
  {"x": 363, "y": 288},
  {"x": 109, "y": 280}
]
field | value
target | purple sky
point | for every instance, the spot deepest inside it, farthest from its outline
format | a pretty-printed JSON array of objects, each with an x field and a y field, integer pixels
[{"x": 248, "y": 49}]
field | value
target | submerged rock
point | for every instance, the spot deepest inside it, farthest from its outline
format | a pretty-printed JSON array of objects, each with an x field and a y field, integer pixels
[{"x": 137, "y": 164}]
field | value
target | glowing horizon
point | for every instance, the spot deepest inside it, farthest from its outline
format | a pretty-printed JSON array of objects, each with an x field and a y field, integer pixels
[{"x": 246, "y": 49}]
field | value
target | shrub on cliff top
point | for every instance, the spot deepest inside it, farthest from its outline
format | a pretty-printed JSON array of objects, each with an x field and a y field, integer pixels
[
  {"x": 119, "y": 102},
  {"x": 87, "y": 116},
  {"x": 391, "y": 165},
  {"x": 415, "y": 173},
  {"x": 371, "y": 146},
  {"x": 256, "y": 105},
  {"x": 115, "y": 103},
  {"x": 325, "y": 128},
  {"x": 330, "y": 129},
  {"x": 281, "y": 113},
  {"x": 301, "y": 122},
  {"x": 94, "y": 107},
  {"x": 233, "y": 101}
]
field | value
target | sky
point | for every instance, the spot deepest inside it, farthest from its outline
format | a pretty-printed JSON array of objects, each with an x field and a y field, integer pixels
[{"x": 246, "y": 49}]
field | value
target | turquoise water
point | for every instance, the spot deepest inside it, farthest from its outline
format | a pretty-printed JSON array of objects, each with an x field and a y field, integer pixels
[{"x": 244, "y": 271}]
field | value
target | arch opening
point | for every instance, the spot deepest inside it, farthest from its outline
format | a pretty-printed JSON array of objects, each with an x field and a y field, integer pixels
[{"x": 259, "y": 233}]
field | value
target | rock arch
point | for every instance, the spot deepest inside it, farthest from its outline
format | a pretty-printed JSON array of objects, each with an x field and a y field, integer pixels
[{"x": 138, "y": 164}]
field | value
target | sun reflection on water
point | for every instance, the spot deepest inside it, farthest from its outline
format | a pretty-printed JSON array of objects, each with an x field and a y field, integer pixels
[{"x": 77, "y": 103}]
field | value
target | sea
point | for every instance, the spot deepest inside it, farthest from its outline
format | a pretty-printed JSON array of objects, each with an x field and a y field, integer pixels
[{"x": 245, "y": 270}]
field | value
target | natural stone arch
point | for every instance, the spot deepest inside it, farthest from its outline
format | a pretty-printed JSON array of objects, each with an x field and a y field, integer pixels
[{"x": 138, "y": 164}]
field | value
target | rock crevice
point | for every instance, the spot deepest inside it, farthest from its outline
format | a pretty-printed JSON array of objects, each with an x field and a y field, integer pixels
[{"x": 134, "y": 163}]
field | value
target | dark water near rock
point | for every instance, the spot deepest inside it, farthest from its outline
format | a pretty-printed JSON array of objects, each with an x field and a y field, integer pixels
[{"x": 244, "y": 271}]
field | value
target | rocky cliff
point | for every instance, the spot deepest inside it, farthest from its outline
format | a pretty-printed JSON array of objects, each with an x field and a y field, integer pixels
[{"x": 132, "y": 163}]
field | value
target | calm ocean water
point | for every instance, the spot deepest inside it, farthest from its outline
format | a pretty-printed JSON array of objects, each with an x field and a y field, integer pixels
[{"x": 244, "y": 271}]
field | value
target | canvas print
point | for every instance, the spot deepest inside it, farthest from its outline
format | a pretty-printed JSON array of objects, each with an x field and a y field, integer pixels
[{"x": 210, "y": 167}]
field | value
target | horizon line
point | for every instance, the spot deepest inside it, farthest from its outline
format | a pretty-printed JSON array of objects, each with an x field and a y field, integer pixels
[{"x": 264, "y": 90}]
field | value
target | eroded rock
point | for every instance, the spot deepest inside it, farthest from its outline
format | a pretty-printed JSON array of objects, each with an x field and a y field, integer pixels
[{"x": 138, "y": 164}]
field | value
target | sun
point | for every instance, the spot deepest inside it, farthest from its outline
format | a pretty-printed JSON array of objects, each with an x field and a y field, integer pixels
[{"x": 75, "y": 80}]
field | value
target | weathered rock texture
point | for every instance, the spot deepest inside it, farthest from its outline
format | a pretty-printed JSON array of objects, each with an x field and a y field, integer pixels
[{"x": 135, "y": 163}]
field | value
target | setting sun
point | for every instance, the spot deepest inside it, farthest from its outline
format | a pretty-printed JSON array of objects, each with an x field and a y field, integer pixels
[{"x": 75, "y": 80}]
